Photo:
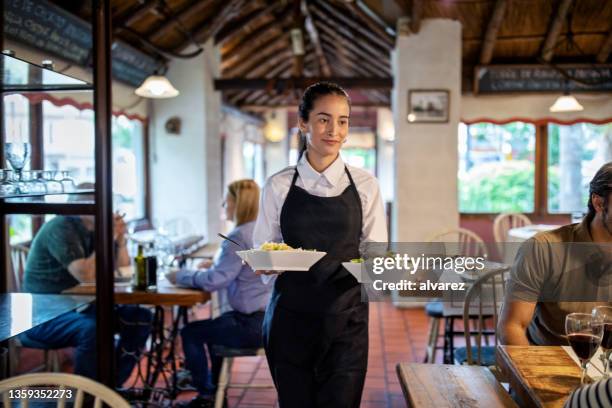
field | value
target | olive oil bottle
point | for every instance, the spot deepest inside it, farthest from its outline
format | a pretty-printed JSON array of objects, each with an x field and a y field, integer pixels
[{"x": 140, "y": 270}]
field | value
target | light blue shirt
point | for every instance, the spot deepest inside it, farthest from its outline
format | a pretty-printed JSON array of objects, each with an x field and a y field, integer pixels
[{"x": 245, "y": 291}]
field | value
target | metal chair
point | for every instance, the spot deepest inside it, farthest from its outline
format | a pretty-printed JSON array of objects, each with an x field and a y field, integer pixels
[
  {"x": 483, "y": 301},
  {"x": 19, "y": 256},
  {"x": 467, "y": 243},
  {"x": 503, "y": 223},
  {"x": 229, "y": 354},
  {"x": 78, "y": 387}
]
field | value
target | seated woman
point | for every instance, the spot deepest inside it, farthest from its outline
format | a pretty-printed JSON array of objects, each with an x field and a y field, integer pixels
[{"x": 247, "y": 295}]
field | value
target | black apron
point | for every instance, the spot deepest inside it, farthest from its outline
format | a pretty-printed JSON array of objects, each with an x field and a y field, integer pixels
[{"x": 316, "y": 325}]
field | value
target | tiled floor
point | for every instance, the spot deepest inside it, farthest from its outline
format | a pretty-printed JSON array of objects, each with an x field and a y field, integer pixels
[{"x": 396, "y": 335}]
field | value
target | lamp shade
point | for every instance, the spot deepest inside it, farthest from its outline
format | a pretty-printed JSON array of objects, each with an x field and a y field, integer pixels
[
  {"x": 566, "y": 103},
  {"x": 156, "y": 86}
]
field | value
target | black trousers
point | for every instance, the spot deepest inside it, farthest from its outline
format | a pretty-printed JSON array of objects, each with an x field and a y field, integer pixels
[{"x": 317, "y": 360}]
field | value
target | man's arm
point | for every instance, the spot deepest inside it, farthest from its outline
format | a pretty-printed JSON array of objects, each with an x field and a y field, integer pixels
[
  {"x": 514, "y": 319},
  {"x": 84, "y": 269}
]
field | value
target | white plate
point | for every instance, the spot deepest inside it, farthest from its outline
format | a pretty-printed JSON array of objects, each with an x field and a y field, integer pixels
[
  {"x": 280, "y": 260},
  {"x": 356, "y": 269}
]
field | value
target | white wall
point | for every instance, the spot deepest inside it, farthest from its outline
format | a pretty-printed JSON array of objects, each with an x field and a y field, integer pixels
[
  {"x": 426, "y": 154},
  {"x": 186, "y": 168}
]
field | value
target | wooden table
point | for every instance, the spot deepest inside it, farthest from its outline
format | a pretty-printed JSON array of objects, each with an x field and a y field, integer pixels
[
  {"x": 166, "y": 295},
  {"x": 19, "y": 312},
  {"x": 542, "y": 376},
  {"x": 450, "y": 386}
]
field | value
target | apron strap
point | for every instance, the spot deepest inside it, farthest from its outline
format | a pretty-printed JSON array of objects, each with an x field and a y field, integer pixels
[{"x": 295, "y": 176}]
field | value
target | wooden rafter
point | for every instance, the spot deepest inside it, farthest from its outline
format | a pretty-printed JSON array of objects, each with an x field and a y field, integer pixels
[
  {"x": 324, "y": 69},
  {"x": 256, "y": 37},
  {"x": 326, "y": 9},
  {"x": 194, "y": 7},
  {"x": 207, "y": 30},
  {"x": 298, "y": 24},
  {"x": 548, "y": 48},
  {"x": 301, "y": 83},
  {"x": 343, "y": 57},
  {"x": 136, "y": 14},
  {"x": 361, "y": 10},
  {"x": 606, "y": 48},
  {"x": 238, "y": 25},
  {"x": 416, "y": 15},
  {"x": 363, "y": 48},
  {"x": 229, "y": 63},
  {"x": 486, "y": 52},
  {"x": 271, "y": 52}
]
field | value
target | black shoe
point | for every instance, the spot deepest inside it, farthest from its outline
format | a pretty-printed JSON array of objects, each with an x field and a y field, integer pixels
[{"x": 198, "y": 402}]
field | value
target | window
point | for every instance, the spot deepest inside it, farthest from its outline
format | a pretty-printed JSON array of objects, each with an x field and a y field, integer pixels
[
  {"x": 575, "y": 153},
  {"x": 252, "y": 154},
  {"x": 496, "y": 167},
  {"x": 69, "y": 145}
]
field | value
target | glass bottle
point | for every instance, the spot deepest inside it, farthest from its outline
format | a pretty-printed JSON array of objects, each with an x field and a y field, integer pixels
[{"x": 140, "y": 270}]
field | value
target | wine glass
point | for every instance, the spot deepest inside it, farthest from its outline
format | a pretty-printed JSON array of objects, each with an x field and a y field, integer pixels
[
  {"x": 584, "y": 336},
  {"x": 6, "y": 185},
  {"x": 603, "y": 317},
  {"x": 17, "y": 155}
]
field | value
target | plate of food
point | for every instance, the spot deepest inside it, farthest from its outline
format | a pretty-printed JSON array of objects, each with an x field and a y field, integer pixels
[
  {"x": 278, "y": 256},
  {"x": 355, "y": 267}
]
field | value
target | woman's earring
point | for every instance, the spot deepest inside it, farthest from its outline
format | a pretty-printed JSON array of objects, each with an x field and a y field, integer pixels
[{"x": 345, "y": 139}]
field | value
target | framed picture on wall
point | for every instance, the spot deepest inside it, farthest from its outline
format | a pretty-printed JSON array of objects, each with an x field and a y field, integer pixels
[{"x": 428, "y": 106}]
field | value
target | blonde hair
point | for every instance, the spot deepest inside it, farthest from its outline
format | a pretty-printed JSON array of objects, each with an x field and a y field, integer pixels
[{"x": 246, "y": 194}]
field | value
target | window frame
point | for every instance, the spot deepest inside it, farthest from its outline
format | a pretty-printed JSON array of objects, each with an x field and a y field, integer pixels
[{"x": 540, "y": 203}]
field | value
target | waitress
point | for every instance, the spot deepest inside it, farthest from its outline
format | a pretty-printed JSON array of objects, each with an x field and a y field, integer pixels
[{"x": 315, "y": 328}]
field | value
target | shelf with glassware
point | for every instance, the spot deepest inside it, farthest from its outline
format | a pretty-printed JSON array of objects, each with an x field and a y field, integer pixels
[{"x": 37, "y": 191}]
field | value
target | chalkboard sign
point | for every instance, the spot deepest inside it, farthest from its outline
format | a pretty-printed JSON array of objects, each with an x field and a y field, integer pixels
[
  {"x": 541, "y": 78},
  {"x": 45, "y": 26}
]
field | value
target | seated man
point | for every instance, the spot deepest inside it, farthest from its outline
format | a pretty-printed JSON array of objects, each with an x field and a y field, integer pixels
[
  {"x": 61, "y": 256},
  {"x": 559, "y": 272}
]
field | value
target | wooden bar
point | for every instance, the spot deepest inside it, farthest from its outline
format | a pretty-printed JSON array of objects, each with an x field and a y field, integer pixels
[{"x": 541, "y": 376}]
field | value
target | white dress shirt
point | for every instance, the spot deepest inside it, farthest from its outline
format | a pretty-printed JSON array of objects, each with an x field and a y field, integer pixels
[{"x": 330, "y": 183}]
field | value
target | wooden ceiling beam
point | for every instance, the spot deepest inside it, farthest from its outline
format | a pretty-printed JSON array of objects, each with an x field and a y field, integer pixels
[
  {"x": 606, "y": 48},
  {"x": 416, "y": 15},
  {"x": 346, "y": 58},
  {"x": 193, "y": 7},
  {"x": 327, "y": 9},
  {"x": 231, "y": 63},
  {"x": 202, "y": 33},
  {"x": 324, "y": 69},
  {"x": 136, "y": 14},
  {"x": 297, "y": 23},
  {"x": 486, "y": 52},
  {"x": 301, "y": 83},
  {"x": 255, "y": 38},
  {"x": 238, "y": 25},
  {"x": 372, "y": 20},
  {"x": 362, "y": 47},
  {"x": 548, "y": 48},
  {"x": 270, "y": 52}
]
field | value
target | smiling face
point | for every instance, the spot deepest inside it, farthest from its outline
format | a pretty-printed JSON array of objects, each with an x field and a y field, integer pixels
[{"x": 327, "y": 125}]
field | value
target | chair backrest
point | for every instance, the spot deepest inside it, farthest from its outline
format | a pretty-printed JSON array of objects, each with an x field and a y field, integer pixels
[
  {"x": 483, "y": 299},
  {"x": 468, "y": 242},
  {"x": 503, "y": 223},
  {"x": 19, "y": 256},
  {"x": 79, "y": 386}
]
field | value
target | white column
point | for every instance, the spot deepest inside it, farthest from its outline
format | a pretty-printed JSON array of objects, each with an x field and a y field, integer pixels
[
  {"x": 426, "y": 154},
  {"x": 186, "y": 168}
]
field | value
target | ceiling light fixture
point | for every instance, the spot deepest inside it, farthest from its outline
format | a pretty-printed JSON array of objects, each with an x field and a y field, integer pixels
[
  {"x": 566, "y": 103},
  {"x": 157, "y": 87}
]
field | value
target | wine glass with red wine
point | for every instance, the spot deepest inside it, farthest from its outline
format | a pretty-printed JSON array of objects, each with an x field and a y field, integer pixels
[
  {"x": 584, "y": 336},
  {"x": 603, "y": 316}
]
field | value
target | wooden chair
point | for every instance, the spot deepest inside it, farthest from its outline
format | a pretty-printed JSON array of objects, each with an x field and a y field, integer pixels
[
  {"x": 80, "y": 387},
  {"x": 503, "y": 223},
  {"x": 483, "y": 300},
  {"x": 467, "y": 243},
  {"x": 51, "y": 359},
  {"x": 229, "y": 354},
  {"x": 19, "y": 256}
]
